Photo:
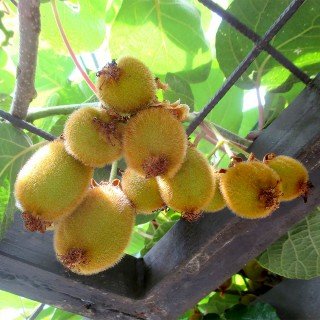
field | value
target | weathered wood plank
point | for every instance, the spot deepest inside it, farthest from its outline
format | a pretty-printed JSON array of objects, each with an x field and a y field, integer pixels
[
  {"x": 193, "y": 259},
  {"x": 28, "y": 267}
]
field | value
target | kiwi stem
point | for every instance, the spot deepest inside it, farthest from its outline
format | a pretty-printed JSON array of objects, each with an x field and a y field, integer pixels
[
  {"x": 39, "y": 113},
  {"x": 113, "y": 171},
  {"x": 143, "y": 234},
  {"x": 216, "y": 147},
  {"x": 71, "y": 52}
]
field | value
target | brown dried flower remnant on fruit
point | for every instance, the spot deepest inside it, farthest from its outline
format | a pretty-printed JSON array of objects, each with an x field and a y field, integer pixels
[
  {"x": 33, "y": 224},
  {"x": 73, "y": 257}
]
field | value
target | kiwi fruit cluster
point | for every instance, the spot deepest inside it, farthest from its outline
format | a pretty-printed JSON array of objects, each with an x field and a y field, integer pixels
[{"x": 93, "y": 222}]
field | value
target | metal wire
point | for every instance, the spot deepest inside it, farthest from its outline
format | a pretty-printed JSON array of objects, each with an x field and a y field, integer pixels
[
  {"x": 25, "y": 125},
  {"x": 246, "y": 31},
  {"x": 243, "y": 66}
]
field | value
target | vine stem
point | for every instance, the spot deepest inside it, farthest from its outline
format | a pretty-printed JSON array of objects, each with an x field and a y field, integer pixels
[
  {"x": 29, "y": 29},
  {"x": 260, "y": 107},
  {"x": 39, "y": 113},
  {"x": 113, "y": 171},
  {"x": 71, "y": 52}
]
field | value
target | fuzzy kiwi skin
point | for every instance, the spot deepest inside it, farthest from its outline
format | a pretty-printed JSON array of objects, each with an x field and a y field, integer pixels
[
  {"x": 154, "y": 134},
  {"x": 143, "y": 193},
  {"x": 100, "y": 227},
  {"x": 294, "y": 176},
  {"x": 217, "y": 202},
  {"x": 245, "y": 186},
  {"x": 126, "y": 86},
  {"x": 191, "y": 189},
  {"x": 87, "y": 141},
  {"x": 52, "y": 183}
]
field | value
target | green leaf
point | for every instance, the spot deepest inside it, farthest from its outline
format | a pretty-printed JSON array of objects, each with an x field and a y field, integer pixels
[
  {"x": 296, "y": 254},
  {"x": 256, "y": 311},
  {"x": 17, "y": 307},
  {"x": 211, "y": 316},
  {"x": 15, "y": 149},
  {"x": 144, "y": 218},
  {"x": 6, "y": 82},
  {"x": 298, "y": 40},
  {"x": 249, "y": 121},
  {"x": 5, "y": 102},
  {"x": 136, "y": 244},
  {"x": 178, "y": 89},
  {"x": 112, "y": 9},
  {"x": 64, "y": 315},
  {"x": 84, "y": 25},
  {"x": 274, "y": 105},
  {"x": 3, "y": 58},
  {"x": 53, "y": 70},
  {"x": 166, "y": 35},
  {"x": 219, "y": 303},
  {"x": 228, "y": 112}
]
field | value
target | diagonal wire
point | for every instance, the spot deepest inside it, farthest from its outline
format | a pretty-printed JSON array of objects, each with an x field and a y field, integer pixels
[
  {"x": 246, "y": 31},
  {"x": 25, "y": 125},
  {"x": 243, "y": 66}
]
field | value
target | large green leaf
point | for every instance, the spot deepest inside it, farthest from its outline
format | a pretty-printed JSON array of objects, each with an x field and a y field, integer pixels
[
  {"x": 6, "y": 82},
  {"x": 228, "y": 112},
  {"x": 218, "y": 303},
  {"x": 296, "y": 254},
  {"x": 15, "y": 148},
  {"x": 84, "y": 25},
  {"x": 53, "y": 70},
  {"x": 179, "y": 88},
  {"x": 256, "y": 311},
  {"x": 167, "y": 35},
  {"x": 299, "y": 40}
]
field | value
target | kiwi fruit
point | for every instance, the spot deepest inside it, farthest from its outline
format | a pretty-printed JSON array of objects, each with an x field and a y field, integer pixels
[
  {"x": 93, "y": 136},
  {"x": 294, "y": 176},
  {"x": 251, "y": 189},
  {"x": 192, "y": 188},
  {"x": 143, "y": 193},
  {"x": 126, "y": 86},
  {"x": 217, "y": 202},
  {"x": 154, "y": 143},
  {"x": 93, "y": 238},
  {"x": 50, "y": 185}
]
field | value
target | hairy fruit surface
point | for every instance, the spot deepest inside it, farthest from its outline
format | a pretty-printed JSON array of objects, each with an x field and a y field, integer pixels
[
  {"x": 50, "y": 185},
  {"x": 94, "y": 237},
  {"x": 93, "y": 137},
  {"x": 251, "y": 189},
  {"x": 126, "y": 86},
  {"x": 143, "y": 193},
  {"x": 217, "y": 202},
  {"x": 154, "y": 143},
  {"x": 294, "y": 176},
  {"x": 191, "y": 189}
]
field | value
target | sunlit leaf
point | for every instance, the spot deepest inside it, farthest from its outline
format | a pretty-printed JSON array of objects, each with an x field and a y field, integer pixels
[
  {"x": 298, "y": 40},
  {"x": 296, "y": 254},
  {"x": 166, "y": 35}
]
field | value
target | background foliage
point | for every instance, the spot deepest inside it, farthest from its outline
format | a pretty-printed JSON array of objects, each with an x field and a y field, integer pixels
[{"x": 187, "y": 47}]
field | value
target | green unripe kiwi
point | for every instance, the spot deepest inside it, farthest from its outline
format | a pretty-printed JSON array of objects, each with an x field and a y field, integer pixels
[
  {"x": 50, "y": 185},
  {"x": 93, "y": 238},
  {"x": 154, "y": 143},
  {"x": 294, "y": 176},
  {"x": 251, "y": 189},
  {"x": 143, "y": 193},
  {"x": 93, "y": 137},
  {"x": 126, "y": 86},
  {"x": 191, "y": 189},
  {"x": 217, "y": 202}
]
